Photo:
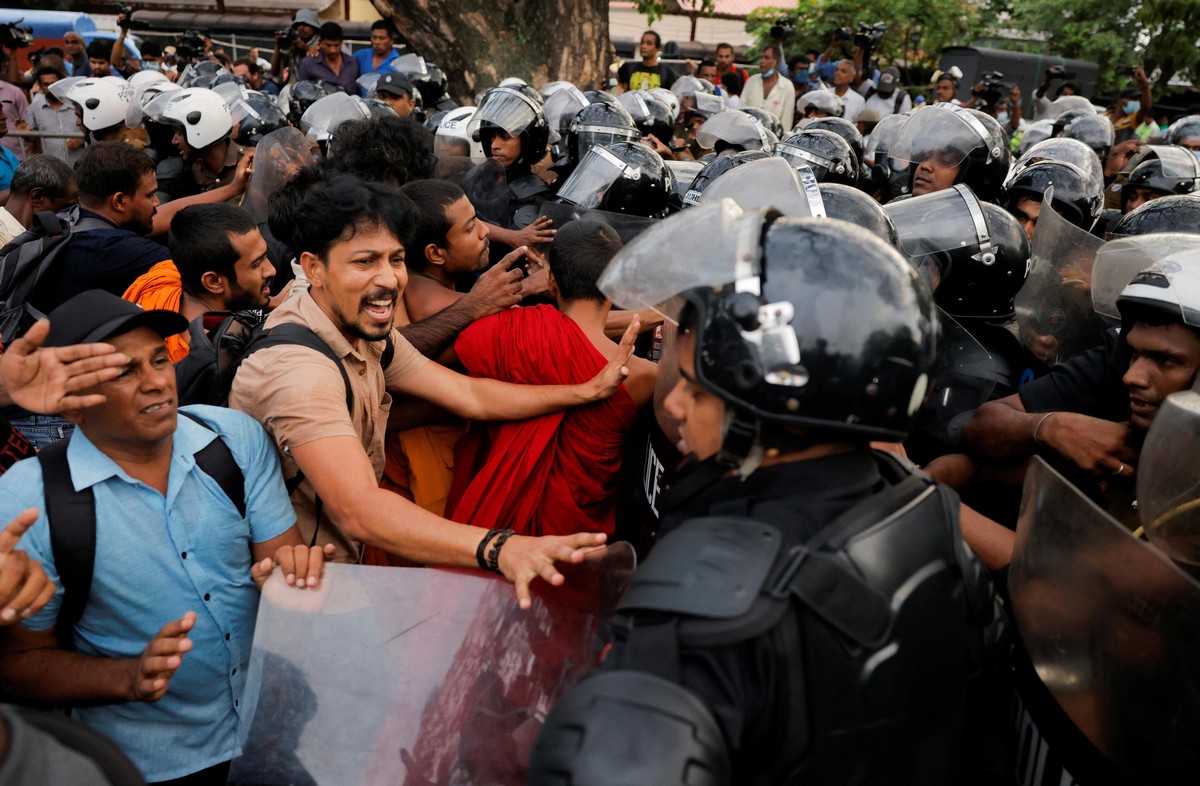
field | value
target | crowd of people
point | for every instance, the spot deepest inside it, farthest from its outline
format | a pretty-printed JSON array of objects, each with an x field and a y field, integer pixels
[{"x": 798, "y": 335}]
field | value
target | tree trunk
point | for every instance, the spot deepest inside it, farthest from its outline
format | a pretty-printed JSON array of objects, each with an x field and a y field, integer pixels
[{"x": 479, "y": 42}]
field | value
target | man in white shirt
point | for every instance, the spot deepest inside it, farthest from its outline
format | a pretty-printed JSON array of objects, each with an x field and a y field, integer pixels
[{"x": 843, "y": 79}]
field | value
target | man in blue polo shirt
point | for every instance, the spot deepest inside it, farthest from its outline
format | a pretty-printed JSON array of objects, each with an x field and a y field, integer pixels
[
  {"x": 379, "y": 56},
  {"x": 161, "y": 646}
]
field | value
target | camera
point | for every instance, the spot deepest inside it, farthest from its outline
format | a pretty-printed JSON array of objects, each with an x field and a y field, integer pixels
[
  {"x": 994, "y": 89},
  {"x": 783, "y": 28},
  {"x": 14, "y": 36},
  {"x": 869, "y": 36},
  {"x": 284, "y": 37},
  {"x": 128, "y": 22},
  {"x": 843, "y": 34},
  {"x": 188, "y": 45},
  {"x": 1059, "y": 72}
]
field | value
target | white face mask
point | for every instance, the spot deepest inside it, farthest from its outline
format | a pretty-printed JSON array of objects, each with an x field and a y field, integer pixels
[
  {"x": 1002, "y": 118},
  {"x": 152, "y": 66}
]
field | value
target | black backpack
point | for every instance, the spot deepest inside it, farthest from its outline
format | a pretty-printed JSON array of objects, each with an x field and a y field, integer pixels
[
  {"x": 71, "y": 517},
  {"x": 26, "y": 261}
]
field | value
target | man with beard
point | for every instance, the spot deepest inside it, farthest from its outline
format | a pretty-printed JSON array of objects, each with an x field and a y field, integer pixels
[
  {"x": 328, "y": 420},
  {"x": 1091, "y": 413}
]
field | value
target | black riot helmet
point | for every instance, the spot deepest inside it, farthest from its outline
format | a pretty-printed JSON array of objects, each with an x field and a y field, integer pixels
[
  {"x": 626, "y": 177},
  {"x": 1165, "y": 174},
  {"x": 956, "y": 137},
  {"x": 973, "y": 254},
  {"x": 828, "y": 155},
  {"x": 1186, "y": 132},
  {"x": 431, "y": 85},
  {"x": 1077, "y": 196},
  {"x": 601, "y": 97},
  {"x": 768, "y": 120},
  {"x": 651, "y": 116},
  {"x": 1066, "y": 118},
  {"x": 854, "y": 207},
  {"x": 599, "y": 124},
  {"x": 843, "y": 128},
  {"x": 1175, "y": 213},
  {"x": 258, "y": 116},
  {"x": 305, "y": 94},
  {"x": 886, "y": 178},
  {"x": 684, "y": 175},
  {"x": 509, "y": 110},
  {"x": 560, "y": 109},
  {"x": 809, "y": 323},
  {"x": 714, "y": 169},
  {"x": 1095, "y": 131}
]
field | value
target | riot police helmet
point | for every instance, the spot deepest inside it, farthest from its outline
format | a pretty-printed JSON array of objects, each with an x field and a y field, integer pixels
[
  {"x": 828, "y": 155},
  {"x": 944, "y": 137},
  {"x": 599, "y": 124},
  {"x": 625, "y": 177},
  {"x": 1077, "y": 197},
  {"x": 504, "y": 109}
]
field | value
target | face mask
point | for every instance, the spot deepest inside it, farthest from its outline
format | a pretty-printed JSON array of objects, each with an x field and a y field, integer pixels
[
  {"x": 152, "y": 66},
  {"x": 1131, "y": 107},
  {"x": 768, "y": 73},
  {"x": 1002, "y": 118}
]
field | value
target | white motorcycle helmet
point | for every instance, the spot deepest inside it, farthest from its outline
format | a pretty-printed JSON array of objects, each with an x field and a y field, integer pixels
[
  {"x": 104, "y": 103},
  {"x": 143, "y": 79},
  {"x": 201, "y": 113},
  {"x": 454, "y": 126}
]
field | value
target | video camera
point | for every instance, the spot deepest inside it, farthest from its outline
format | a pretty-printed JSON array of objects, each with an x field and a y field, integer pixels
[
  {"x": 869, "y": 35},
  {"x": 14, "y": 36},
  {"x": 188, "y": 45},
  {"x": 1059, "y": 72},
  {"x": 783, "y": 28},
  {"x": 126, "y": 21},
  {"x": 994, "y": 89}
]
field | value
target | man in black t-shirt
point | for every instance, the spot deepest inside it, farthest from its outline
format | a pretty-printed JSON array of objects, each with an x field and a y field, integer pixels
[
  {"x": 1095, "y": 409},
  {"x": 649, "y": 73}
]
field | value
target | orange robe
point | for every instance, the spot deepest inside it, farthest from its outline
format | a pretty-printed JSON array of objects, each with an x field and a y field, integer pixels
[{"x": 160, "y": 288}]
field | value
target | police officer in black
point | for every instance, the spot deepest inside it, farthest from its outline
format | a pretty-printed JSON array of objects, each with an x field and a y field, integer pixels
[
  {"x": 514, "y": 134},
  {"x": 811, "y": 614}
]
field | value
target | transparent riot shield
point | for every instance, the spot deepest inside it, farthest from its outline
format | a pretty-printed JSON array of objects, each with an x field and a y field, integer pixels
[
  {"x": 769, "y": 182},
  {"x": 277, "y": 158},
  {"x": 1118, "y": 261},
  {"x": 627, "y": 226},
  {"x": 1112, "y": 629},
  {"x": 962, "y": 380},
  {"x": 1054, "y": 308},
  {"x": 415, "y": 675},
  {"x": 1168, "y": 480},
  {"x": 486, "y": 186}
]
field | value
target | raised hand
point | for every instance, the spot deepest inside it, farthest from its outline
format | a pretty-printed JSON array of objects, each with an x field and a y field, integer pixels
[
  {"x": 24, "y": 588},
  {"x": 46, "y": 380},
  {"x": 616, "y": 371},
  {"x": 152, "y": 672}
]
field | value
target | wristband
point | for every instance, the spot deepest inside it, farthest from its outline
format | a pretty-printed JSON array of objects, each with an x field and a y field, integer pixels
[
  {"x": 493, "y": 557},
  {"x": 479, "y": 550}
]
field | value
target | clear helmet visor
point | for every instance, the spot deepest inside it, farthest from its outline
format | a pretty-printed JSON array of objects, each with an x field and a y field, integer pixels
[
  {"x": 1063, "y": 104},
  {"x": 1054, "y": 307},
  {"x": 1177, "y": 162},
  {"x": 413, "y": 65},
  {"x": 62, "y": 88},
  {"x": 1070, "y": 151},
  {"x": 136, "y": 114},
  {"x": 505, "y": 108},
  {"x": 735, "y": 128},
  {"x": 591, "y": 180},
  {"x": 1169, "y": 489},
  {"x": 941, "y": 221},
  {"x": 882, "y": 137},
  {"x": 937, "y": 133},
  {"x": 768, "y": 183},
  {"x": 321, "y": 120},
  {"x": 1118, "y": 261},
  {"x": 711, "y": 244},
  {"x": 367, "y": 82}
]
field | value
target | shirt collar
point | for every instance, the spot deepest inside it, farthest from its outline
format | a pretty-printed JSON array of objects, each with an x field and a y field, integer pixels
[
  {"x": 323, "y": 326},
  {"x": 91, "y": 466}
]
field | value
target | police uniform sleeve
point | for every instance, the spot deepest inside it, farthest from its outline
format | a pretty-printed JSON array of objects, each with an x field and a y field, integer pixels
[
  {"x": 1088, "y": 384},
  {"x": 21, "y": 488}
]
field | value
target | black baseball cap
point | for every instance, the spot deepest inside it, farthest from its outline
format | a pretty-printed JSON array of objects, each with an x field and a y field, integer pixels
[
  {"x": 394, "y": 83},
  {"x": 97, "y": 315}
]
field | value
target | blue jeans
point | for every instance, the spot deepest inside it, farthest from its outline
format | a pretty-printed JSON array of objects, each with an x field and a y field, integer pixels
[{"x": 41, "y": 430}]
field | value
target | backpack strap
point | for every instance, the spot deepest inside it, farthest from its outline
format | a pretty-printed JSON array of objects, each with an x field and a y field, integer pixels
[
  {"x": 216, "y": 460},
  {"x": 389, "y": 352},
  {"x": 291, "y": 333},
  {"x": 72, "y": 515}
]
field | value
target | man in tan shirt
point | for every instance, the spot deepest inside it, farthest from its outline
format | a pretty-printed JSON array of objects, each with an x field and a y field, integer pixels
[{"x": 349, "y": 236}]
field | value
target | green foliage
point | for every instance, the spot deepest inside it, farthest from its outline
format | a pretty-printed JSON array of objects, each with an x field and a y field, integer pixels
[
  {"x": 655, "y": 9},
  {"x": 1159, "y": 34},
  {"x": 917, "y": 29}
]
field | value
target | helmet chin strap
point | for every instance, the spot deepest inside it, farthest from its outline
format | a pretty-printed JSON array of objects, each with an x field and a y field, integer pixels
[{"x": 741, "y": 443}]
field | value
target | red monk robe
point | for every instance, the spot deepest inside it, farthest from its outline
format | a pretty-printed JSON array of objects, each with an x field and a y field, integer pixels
[{"x": 551, "y": 475}]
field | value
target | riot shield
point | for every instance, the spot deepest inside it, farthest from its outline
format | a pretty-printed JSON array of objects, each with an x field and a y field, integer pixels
[
  {"x": 277, "y": 158},
  {"x": 962, "y": 380},
  {"x": 1169, "y": 480},
  {"x": 768, "y": 182},
  {"x": 1112, "y": 630},
  {"x": 486, "y": 186},
  {"x": 1118, "y": 261},
  {"x": 627, "y": 226},
  {"x": 1054, "y": 308},
  {"x": 415, "y": 675}
]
